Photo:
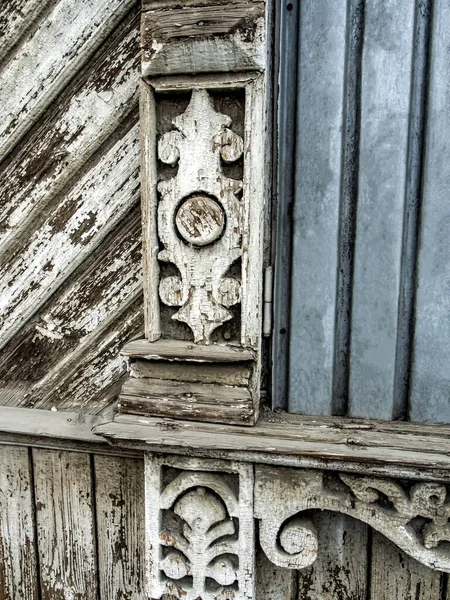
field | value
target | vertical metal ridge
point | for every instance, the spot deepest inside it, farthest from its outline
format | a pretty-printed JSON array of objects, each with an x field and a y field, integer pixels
[
  {"x": 348, "y": 204},
  {"x": 286, "y": 126},
  {"x": 413, "y": 194}
]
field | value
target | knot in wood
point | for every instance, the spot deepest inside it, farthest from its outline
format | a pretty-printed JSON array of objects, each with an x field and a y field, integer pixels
[{"x": 200, "y": 220}]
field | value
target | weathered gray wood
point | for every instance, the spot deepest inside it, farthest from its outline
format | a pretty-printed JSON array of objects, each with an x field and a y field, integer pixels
[
  {"x": 185, "y": 351},
  {"x": 65, "y": 525},
  {"x": 185, "y": 400},
  {"x": 226, "y": 374},
  {"x": 340, "y": 570},
  {"x": 119, "y": 490},
  {"x": 89, "y": 380},
  {"x": 332, "y": 440},
  {"x": 272, "y": 582},
  {"x": 63, "y": 425},
  {"x": 430, "y": 377},
  {"x": 70, "y": 33},
  {"x": 81, "y": 308},
  {"x": 316, "y": 208},
  {"x": 385, "y": 104},
  {"x": 18, "y": 570},
  {"x": 396, "y": 575},
  {"x": 86, "y": 114},
  {"x": 90, "y": 210}
]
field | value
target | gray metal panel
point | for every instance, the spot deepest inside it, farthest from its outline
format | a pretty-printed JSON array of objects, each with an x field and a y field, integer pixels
[
  {"x": 316, "y": 211},
  {"x": 385, "y": 105},
  {"x": 430, "y": 377},
  {"x": 287, "y": 102}
]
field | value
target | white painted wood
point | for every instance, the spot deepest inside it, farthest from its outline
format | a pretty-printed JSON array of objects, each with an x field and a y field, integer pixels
[
  {"x": 396, "y": 575},
  {"x": 91, "y": 209},
  {"x": 119, "y": 490},
  {"x": 206, "y": 199},
  {"x": 32, "y": 79},
  {"x": 65, "y": 525},
  {"x": 209, "y": 497},
  {"x": 83, "y": 123},
  {"x": 282, "y": 495},
  {"x": 272, "y": 582},
  {"x": 18, "y": 568}
]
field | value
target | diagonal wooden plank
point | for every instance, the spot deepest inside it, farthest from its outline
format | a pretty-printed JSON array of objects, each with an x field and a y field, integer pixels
[
  {"x": 86, "y": 114},
  {"x": 61, "y": 44},
  {"x": 16, "y": 18},
  {"x": 18, "y": 570},
  {"x": 90, "y": 210},
  {"x": 100, "y": 286}
]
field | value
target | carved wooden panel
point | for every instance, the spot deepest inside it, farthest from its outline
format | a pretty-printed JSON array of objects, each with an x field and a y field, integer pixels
[
  {"x": 199, "y": 525},
  {"x": 204, "y": 197}
]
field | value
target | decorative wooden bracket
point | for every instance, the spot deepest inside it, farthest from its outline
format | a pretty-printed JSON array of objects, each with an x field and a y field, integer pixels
[
  {"x": 414, "y": 516},
  {"x": 199, "y": 529},
  {"x": 204, "y": 191},
  {"x": 200, "y": 521}
]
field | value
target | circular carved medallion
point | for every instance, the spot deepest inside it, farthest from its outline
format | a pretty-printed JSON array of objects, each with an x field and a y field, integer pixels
[{"x": 200, "y": 220}]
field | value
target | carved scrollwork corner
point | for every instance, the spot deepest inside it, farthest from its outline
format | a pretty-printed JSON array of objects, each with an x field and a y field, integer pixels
[{"x": 414, "y": 516}]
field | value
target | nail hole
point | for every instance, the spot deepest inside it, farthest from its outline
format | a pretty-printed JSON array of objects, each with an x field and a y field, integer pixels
[
  {"x": 282, "y": 330},
  {"x": 289, "y": 6}
]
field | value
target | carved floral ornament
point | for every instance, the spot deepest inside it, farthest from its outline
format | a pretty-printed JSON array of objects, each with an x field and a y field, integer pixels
[
  {"x": 201, "y": 541},
  {"x": 200, "y": 217}
]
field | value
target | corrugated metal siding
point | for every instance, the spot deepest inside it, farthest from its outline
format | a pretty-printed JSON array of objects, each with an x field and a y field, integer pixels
[
  {"x": 70, "y": 247},
  {"x": 370, "y": 212}
]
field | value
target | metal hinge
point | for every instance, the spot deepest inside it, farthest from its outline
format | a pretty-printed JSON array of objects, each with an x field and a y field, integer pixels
[{"x": 268, "y": 294}]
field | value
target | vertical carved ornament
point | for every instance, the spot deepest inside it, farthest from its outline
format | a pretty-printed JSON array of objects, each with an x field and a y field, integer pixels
[
  {"x": 205, "y": 187},
  {"x": 199, "y": 529}
]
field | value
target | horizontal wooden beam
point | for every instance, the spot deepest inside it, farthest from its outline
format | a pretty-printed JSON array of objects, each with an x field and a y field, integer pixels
[{"x": 405, "y": 449}]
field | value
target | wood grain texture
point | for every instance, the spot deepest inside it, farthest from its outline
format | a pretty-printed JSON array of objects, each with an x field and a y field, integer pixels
[
  {"x": 186, "y": 351},
  {"x": 92, "y": 208},
  {"x": 88, "y": 304},
  {"x": 224, "y": 374},
  {"x": 335, "y": 439},
  {"x": 396, "y": 575},
  {"x": 33, "y": 77},
  {"x": 65, "y": 525},
  {"x": 272, "y": 582},
  {"x": 340, "y": 570},
  {"x": 86, "y": 114},
  {"x": 18, "y": 566},
  {"x": 119, "y": 489},
  {"x": 185, "y": 400}
]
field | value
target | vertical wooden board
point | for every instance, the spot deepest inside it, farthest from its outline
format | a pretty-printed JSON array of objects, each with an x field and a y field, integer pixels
[
  {"x": 396, "y": 575},
  {"x": 316, "y": 208},
  {"x": 430, "y": 375},
  {"x": 272, "y": 582},
  {"x": 18, "y": 571},
  {"x": 340, "y": 570},
  {"x": 65, "y": 525},
  {"x": 119, "y": 489},
  {"x": 385, "y": 103}
]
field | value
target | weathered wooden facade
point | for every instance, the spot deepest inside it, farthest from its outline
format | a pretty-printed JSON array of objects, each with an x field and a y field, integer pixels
[{"x": 215, "y": 214}]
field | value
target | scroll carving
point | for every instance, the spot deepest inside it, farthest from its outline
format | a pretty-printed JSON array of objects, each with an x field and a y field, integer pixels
[
  {"x": 200, "y": 531},
  {"x": 200, "y": 216},
  {"x": 413, "y": 516}
]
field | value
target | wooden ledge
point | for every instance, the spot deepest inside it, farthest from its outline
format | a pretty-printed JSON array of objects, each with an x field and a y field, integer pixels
[
  {"x": 365, "y": 446},
  {"x": 186, "y": 351}
]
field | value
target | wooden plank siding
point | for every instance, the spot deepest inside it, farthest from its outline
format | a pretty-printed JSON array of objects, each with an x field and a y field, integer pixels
[
  {"x": 70, "y": 233},
  {"x": 82, "y": 514}
]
